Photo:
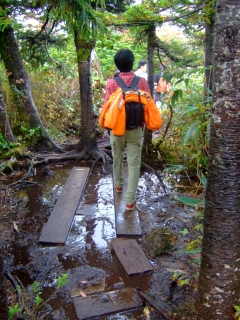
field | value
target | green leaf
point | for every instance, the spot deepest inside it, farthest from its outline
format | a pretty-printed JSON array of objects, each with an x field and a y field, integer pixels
[
  {"x": 184, "y": 232},
  {"x": 62, "y": 280},
  {"x": 38, "y": 300},
  {"x": 13, "y": 311},
  {"x": 196, "y": 250},
  {"x": 183, "y": 282},
  {"x": 197, "y": 261},
  {"x": 186, "y": 82},
  {"x": 191, "y": 201},
  {"x": 190, "y": 110},
  {"x": 190, "y": 132},
  {"x": 237, "y": 308}
]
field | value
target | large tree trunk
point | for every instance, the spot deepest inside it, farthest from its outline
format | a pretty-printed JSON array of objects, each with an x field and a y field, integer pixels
[
  {"x": 218, "y": 288},
  {"x": 19, "y": 81},
  {"x": 88, "y": 142},
  {"x": 151, "y": 39},
  {"x": 3, "y": 295},
  {"x": 5, "y": 127}
]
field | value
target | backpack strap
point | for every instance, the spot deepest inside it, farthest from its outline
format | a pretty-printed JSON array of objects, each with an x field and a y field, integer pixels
[
  {"x": 134, "y": 83},
  {"x": 123, "y": 85}
]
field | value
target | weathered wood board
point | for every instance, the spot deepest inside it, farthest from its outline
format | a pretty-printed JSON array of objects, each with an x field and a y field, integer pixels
[
  {"x": 57, "y": 228},
  {"x": 131, "y": 256},
  {"x": 127, "y": 222},
  {"x": 106, "y": 303},
  {"x": 165, "y": 308}
]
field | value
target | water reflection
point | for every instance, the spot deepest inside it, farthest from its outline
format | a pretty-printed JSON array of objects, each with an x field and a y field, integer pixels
[{"x": 90, "y": 235}]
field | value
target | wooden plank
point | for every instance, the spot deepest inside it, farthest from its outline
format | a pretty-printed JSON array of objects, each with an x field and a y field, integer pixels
[
  {"x": 127, "y": 222},
  {"x": 57, "y": 228},
  {"x": 106, "y": 303},
  {"x": 165, "y": 308},
  {"x": 131, "y": 256}
]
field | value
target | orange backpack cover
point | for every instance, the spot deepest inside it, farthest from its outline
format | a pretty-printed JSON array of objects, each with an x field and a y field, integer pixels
[{"x": 113, "y": 115}]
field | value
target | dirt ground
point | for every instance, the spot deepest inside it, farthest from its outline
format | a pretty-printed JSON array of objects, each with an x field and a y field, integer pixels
[{"x": 168, "y": 228}]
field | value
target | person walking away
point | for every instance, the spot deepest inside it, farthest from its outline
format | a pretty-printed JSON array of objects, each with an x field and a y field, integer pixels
[
  {"x": 161, "y": 85},
  {"x": 131, "y": 139},
  {"x": 142, "y": 69}
]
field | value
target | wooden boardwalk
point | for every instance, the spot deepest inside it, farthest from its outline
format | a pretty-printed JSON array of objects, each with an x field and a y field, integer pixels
[
  {"x": 128, "y": 251},
  {"x": 57, "y": 228}
]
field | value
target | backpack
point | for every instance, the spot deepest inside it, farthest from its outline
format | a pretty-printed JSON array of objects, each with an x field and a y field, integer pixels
[
  {"x": 162, "y": 86},
  {"x": 134, "y": 109},
  {"x": 113, "y": 115}
]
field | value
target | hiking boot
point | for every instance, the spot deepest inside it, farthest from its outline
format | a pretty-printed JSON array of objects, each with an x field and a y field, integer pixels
[
  {"x": 131, "y": 206},
  {"x": 118, "y": 189}
]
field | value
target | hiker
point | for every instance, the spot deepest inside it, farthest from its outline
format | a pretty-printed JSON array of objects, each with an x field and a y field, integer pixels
[
  {"x": 161, "y": 85},
  {"x": 142, "y": 69},
  {"x": 131, "y": 139}
]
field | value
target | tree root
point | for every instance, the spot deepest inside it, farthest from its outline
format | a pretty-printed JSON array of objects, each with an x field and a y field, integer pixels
[
  {"x": 22, "y": 306},
  {"x": 37, "y": 159},
  {"x": 48, "y": 139},
  {"x": 23, "y": 179}
]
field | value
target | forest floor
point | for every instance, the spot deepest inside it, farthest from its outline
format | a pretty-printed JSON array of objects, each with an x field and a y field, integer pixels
[{"x": 173, "y": 282}]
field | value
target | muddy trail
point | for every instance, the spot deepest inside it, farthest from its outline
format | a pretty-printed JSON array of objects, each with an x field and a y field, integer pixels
[{"x": 87, "y": 258}]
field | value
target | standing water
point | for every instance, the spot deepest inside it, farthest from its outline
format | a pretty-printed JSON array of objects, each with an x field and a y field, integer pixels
[{"x": 88, "y": 243}]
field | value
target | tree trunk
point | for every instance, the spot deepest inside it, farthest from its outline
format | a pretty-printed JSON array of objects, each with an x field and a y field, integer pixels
[
  {"x": 218, "y": 288},
  {"x": 5, "y": 127},
  {"x": 19, "y": 82},
  {"x": 3, "y": 295},
  {"x": 209, "y": 41},
  {"x": 151, "y": 39},
  {"x": 88, "y": 142}
]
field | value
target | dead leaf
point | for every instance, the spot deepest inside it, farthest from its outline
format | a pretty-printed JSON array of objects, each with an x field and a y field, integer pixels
[
  {"x": 83, "y": 294},
  {"x": 146, "y": 312},
  {"x": 15, "y": 227}
]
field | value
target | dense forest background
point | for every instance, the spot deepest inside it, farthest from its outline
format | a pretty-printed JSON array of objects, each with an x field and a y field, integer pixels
[{"x": 51, "y": 64}]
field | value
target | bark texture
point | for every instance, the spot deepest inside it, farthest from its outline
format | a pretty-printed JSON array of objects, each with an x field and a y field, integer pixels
[
  {"x": 19, "y": 81},
  {"x": 151, "y": 40},
  {"x": 88, "y": 142},
  {"x": 3, "y": 295},
  {"x": 209, "y": 41},
  {"x": 5, "y": 127},
  {"x": 219, "y": 287}
]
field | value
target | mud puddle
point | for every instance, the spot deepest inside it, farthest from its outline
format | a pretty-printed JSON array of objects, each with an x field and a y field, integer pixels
[{"x": 88, "y": 244}]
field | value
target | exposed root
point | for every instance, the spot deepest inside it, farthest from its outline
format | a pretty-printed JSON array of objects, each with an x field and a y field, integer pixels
[
  {"x": 44, "y": 158},
  {"x": 22, "y": 306},
  {"x": 49, "y": 143}
]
